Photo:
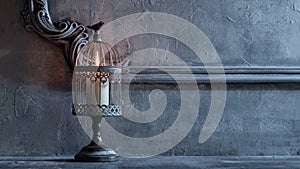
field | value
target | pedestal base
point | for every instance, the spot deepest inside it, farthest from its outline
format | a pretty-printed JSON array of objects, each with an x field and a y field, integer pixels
[{"x": 95, "y": 153}]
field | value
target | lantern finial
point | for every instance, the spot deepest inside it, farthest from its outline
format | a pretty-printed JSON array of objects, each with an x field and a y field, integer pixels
[{"x": 97, "y": 26}]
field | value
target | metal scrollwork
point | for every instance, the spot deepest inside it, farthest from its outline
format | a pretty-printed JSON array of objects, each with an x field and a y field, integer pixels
[
  {"x": 103, "y": 76},
  {"x": 97, "y": 110},
  {"x": 69, "y": 35}
]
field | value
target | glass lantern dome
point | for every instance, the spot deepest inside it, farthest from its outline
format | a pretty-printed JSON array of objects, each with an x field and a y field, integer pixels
[{"x": 97, "y": 80}]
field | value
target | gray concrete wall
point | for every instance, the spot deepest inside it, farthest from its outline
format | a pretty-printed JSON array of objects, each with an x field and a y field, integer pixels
[{"x": 259, "y": 119}]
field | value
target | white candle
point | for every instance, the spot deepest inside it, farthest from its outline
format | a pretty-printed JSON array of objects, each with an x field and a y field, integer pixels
[{"x": 104, "y": 93}]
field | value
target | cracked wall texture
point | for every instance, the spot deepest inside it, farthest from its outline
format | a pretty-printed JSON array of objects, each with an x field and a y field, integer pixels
[{"x": 259, "y": 119}]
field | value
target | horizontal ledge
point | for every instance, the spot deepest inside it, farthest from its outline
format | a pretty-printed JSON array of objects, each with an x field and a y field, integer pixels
[
  {"x": 213, "y": 70},
  {"x": 169, "y": 75},
  {"x": 201, "y": 78}
]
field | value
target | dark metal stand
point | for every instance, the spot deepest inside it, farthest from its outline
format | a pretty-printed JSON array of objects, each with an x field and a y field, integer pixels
[{"x": 95, "y": 151}]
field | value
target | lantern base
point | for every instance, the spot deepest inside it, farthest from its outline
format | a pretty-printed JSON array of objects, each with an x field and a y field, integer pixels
[{"x": 96, "y": 153}]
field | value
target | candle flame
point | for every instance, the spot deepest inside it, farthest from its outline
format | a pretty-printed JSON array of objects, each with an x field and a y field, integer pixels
[{"x": 97, "y": 61}]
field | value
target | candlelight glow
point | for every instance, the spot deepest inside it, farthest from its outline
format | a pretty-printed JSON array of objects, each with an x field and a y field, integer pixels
[{"x": 97, "y": 60}]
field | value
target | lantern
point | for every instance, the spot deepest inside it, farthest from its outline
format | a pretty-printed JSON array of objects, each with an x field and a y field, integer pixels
[{"x": 97, "y": 92}]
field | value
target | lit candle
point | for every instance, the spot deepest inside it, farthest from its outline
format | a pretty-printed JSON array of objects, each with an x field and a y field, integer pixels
[
  {"x": 97, "y": 84},
  {"x": 101, "y": 89}
]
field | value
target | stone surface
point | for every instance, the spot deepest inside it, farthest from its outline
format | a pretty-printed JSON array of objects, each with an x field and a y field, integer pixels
[
  {"x": 259, "y": 119},
  {"x": 244, "y": 33},
  {"x": 158, "y": 163}
]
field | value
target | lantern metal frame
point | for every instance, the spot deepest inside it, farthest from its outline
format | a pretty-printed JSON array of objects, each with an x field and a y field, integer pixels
[
  {"x": 97, "y": 72},
  {"x": 86, "y": 78}
]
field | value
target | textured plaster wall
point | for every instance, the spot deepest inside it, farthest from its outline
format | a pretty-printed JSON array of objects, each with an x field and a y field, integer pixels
[{"x": 259, "y": 119}]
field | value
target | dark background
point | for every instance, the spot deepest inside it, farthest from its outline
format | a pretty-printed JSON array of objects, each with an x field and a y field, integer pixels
[{"x": 259, "y": 119}]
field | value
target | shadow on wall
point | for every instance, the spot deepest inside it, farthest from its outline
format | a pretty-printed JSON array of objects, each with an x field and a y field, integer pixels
[
  {"x": 25, "y": 59},
  {"x": 45, "y": 68}
]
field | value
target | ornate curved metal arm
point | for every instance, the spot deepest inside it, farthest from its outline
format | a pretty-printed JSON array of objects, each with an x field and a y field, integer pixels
[{"x": 69, "y": 35}]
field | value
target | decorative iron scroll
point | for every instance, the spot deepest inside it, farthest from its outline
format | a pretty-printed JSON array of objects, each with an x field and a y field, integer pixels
[{"x": 69, "y": 35}]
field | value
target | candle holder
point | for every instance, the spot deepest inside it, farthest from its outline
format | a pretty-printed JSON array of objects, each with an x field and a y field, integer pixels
[{"x": 97, "y": 92}]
